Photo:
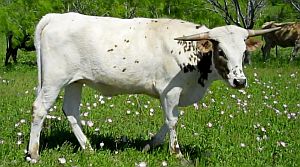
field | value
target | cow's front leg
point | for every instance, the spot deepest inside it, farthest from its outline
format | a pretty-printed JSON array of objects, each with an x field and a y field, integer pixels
[{"x": 169, "y": 102}]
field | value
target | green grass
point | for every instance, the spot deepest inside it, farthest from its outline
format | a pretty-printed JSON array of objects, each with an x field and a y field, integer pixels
[{"x": 255, "y": 127}]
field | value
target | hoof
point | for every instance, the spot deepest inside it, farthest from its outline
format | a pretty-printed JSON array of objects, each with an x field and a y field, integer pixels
[
  {"x": 146, "y": 148},
  {"x": 31, "y": 160}
]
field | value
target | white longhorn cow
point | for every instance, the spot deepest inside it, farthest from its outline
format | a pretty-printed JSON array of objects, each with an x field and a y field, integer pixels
[{"x": 118, "y": 56}]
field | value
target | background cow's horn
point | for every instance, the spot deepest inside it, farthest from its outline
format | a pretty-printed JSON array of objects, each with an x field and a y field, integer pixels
[
  {"x": 260, "y": 32},
  {"x": 195, "y": 37}
]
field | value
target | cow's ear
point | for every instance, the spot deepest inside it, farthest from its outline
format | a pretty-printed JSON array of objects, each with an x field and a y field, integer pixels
[
  {"x": 252, "y": 44},
  {"x": 205, "y": 46}
]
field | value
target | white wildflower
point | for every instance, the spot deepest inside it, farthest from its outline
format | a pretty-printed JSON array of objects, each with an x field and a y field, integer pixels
[
  {"x": 19, "y": 142},
  {"x": 90, "y": 123},
  {"x": 85, "y": 114},
  {"x": 243, "y": 145},
  {"x": 293, "y": 75},
  {"x": 62, "y": 160},
  {"x": 209, "y": 124},
  {"x": 181, "y": 112},
  {"x": 101, "y": 144},
  {"x": 281, "y": 143},
  {"x": 141, "y": 164},
  {"x": 164, "y": 163},
  {"x": 258, "y": 138},
  {"x": 109, "y": 120}
]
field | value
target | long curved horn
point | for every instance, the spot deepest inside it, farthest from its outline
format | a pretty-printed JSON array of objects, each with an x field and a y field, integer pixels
[
  {"x": 195, "y": 37},
  {"x": 260, "y": 32}
]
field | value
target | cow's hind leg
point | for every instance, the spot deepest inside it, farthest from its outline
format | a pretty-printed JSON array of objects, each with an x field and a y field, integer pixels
[
  {"x": 45, "y": 99},
  {"x": 170, "y": 106},
  {"x": 71, "y": 109}
]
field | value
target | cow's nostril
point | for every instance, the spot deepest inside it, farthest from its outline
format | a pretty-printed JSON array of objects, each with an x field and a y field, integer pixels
[{"x": 239, "y": 82}]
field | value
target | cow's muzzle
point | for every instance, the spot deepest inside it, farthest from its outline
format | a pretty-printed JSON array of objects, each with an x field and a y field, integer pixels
[{"x": 239, "y": 83}]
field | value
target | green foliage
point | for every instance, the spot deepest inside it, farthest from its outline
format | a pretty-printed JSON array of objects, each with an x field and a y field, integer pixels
[{"x": 279, "y": 11}]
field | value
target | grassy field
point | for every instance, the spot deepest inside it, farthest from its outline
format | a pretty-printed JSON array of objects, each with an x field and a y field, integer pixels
[{"x": 257, "y": 126}]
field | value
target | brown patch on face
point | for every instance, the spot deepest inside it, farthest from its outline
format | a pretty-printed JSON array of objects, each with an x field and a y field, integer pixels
[
  {"x": 220, "y": 62},
  {"x": 205, "y": 46}
]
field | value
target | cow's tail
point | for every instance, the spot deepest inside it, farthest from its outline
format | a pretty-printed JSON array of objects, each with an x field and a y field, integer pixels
[{"x": 37, "y": 43}]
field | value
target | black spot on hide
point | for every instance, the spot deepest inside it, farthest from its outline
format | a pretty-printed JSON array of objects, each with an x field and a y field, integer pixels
[
  {"x": 203, "y": 66},
  {"x": 136, "y": 61},
  {"x": 116, "y": 46},
  {"x": 124, "y": 70},
  {"x": 126, "y": 40},
  {"x": 110, "y": 50},
  {"x": 188, "y": 68},
  {"x": 197, "y": 27}
]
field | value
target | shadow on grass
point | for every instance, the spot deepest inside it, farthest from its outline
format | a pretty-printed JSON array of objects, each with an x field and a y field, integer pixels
[
  {"x": 59, "y": 137},
  {"x": 198, "y": 156}
]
